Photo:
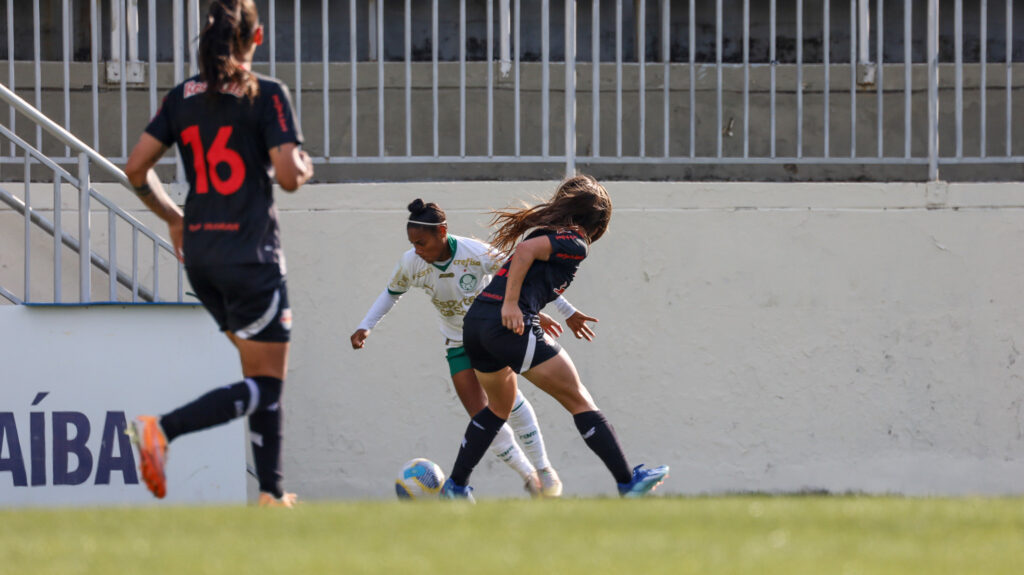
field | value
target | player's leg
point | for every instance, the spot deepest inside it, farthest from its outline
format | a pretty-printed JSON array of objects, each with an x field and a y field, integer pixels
[
  {"x": 558, "y": 377},
  {"x": 151, "y": 434},
  {"x": 523, "y": 421},
  {"x": 250, "y": 304},
  {"x": 485, "y": 424},
  {"x": 263, "y": 348},
  {"x": 504, "y": 445},
  {"x": 266, "y": 421}
]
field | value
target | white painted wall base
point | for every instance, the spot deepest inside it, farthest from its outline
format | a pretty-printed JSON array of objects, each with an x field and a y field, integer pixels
[
  {"x": 99, "y": 367},
  {"x": 755, "y": 337}
]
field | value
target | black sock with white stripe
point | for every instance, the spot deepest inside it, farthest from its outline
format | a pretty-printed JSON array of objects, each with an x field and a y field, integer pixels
[
  {"x": 600, "y": 438},
  {"x": 216, "y": 407},
  {"x": 265, "y": 426},
  {"x": 479, "y": 434}
]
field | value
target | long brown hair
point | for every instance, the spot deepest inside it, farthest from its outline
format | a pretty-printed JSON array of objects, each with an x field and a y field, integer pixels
[
  {"x": 227, "y": 37},
  {"x": 579, "y": 203}
]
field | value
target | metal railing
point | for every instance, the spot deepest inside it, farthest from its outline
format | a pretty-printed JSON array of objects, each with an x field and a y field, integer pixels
[
  {"x": 87, "y": 158},
  {"x": 681, "y": 107}
]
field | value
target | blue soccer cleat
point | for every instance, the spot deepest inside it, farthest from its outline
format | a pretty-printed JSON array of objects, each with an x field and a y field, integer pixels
[
  {"x": 452, "y": 491},
  {"x": 644, "y": 481}
]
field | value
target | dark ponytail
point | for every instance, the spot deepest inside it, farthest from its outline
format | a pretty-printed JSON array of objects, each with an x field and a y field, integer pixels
[
  {"x": 427, "y": 216},
  {"x": 228, "y": 35}
]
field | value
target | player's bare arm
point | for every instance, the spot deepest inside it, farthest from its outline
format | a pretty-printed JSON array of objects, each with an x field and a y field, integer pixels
[
  {"x": 144, "y": 180},
  {"x": 292, "y": 166},
  {"x": 533, "y": 249}
]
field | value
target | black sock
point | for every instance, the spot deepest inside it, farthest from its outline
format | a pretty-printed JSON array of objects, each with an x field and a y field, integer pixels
[
  {"x": 600, "y": 438},
  {"x": 214, "y": 408},
  {"x": 265, "y": 425},
  {"x": 265, "y": 432},
  {"x": 479, "y": 434}
]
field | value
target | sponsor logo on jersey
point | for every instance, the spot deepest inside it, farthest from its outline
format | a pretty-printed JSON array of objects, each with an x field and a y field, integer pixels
[
  {"x": 280, "y": 113},
  {"x": 447, "y": 275},
  {"x": 452, "y": 307},
  {"x": 193, "y": 88},
  {"x": 491, "y": 296},
  {"x": 214, "y": 227},
  {"x": 468, "y": 282},
  {"x": 468, "y": 262},
  {"x": 570, "y": 257}
]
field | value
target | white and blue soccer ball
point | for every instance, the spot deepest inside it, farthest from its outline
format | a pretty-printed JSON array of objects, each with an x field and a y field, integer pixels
[{"x": 419, "y": 479}]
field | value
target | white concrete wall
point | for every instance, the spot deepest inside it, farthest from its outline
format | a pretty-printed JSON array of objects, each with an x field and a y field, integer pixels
[{"x": 755, "y": 337}]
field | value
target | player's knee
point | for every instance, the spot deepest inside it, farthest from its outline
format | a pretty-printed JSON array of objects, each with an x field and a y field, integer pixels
[{"x": 267, "y": 391}]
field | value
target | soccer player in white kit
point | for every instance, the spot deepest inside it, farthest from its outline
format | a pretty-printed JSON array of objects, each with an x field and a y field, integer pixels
[{"x": 453, "y": 270}]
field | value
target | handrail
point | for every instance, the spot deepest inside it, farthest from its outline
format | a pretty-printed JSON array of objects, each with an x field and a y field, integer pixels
[
  {"x": 38, "y": 156},
  {"x": 54, "y": 129},
  {"x": 89, "y": 258},
  {"x": 68, "y": 177},
  {"x": 10, "y": 297},
  {"x": 97, "y": 260}
]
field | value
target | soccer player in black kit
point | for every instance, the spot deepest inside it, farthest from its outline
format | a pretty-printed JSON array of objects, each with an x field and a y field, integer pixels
[
  {"x": 236, "y": 133},
  {"x": 502, "y": 334}
]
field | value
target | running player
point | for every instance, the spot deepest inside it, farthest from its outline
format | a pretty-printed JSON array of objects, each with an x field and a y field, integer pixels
[
  {"x": 452, "y": 270},
  {"x": 236, "y": 133},
  {"x": 503, "y": 335}
]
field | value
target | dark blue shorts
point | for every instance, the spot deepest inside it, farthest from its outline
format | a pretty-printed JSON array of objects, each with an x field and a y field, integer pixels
[
  {"x": 249, "y": 300},
  {"x": 491, "y": 346}
]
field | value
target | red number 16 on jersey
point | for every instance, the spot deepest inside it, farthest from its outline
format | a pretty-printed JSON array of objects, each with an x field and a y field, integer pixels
[{"x": 219, "y": 154}]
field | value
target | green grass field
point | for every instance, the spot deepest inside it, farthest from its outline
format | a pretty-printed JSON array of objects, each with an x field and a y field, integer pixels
[{"x": 743, "y": 534}]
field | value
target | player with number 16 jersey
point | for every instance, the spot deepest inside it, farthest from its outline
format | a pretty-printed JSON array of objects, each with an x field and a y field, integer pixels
[
  {"x": 224, "y": 142},
  {"x": 236, "y": 134}
]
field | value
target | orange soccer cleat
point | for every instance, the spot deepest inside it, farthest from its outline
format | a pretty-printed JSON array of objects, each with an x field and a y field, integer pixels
[
  {"x": 288, "y": 500},
  {"x": 146, "y": 434}
]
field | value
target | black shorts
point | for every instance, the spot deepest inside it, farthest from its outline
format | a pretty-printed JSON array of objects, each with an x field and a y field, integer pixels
[
  {"x": 249, "y": 300},
  {"x": 491, "y": 346}
]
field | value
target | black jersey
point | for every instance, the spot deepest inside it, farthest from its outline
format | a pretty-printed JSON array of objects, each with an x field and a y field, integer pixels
[
  {"x": 545, "y": 280},
  {"x": 225, "y": 143}
]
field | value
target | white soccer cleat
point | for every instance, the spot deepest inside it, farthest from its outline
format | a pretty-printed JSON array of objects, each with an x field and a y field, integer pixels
[
  {"x": 551, "y": 485},
  {"x": 533, "y": 485}
]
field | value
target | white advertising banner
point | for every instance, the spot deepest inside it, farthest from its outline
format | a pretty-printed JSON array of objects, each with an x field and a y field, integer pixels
[{"x": 72, "y": 377}]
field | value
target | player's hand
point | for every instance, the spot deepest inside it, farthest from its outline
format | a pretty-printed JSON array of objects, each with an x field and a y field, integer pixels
[
  {"x": 577, "y": 323},
  {"x": 549, "y": 325},
  {"x": 359, "y": 338},
  {"x": 307, "y": 164},
  {"x": 177, "y": 232},
  {"x": 512, "y": 317}
]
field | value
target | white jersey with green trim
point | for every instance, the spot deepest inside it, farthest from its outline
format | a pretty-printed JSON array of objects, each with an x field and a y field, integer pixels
[{"x": 453, "y": 286}]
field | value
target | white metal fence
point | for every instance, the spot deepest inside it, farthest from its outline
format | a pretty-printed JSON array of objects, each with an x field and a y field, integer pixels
[{"x": 850, "y": 105}]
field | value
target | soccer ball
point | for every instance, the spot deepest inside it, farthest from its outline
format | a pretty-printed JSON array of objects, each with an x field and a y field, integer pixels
[{"x": 419, "y": 479}]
